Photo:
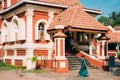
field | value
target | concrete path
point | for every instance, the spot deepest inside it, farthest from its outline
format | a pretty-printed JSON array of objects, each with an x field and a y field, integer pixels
[{"x": 94, "y": 74}]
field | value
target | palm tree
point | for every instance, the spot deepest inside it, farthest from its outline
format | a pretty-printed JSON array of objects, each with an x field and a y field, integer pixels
[
  {"x": 113, "y": 19},
  {"x": 33, "y": 60}
]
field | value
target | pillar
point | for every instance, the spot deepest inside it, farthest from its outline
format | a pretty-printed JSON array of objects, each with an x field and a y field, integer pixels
[
  {"x": 29, "y": 55},
  {"x": 29, "y": 25},
  {"x": 103, "y": 51},
  {"x": 60, "y": 63},
  {"x": 29, "y": 45},
  {"x": 103, "y": 42},
  {"x": 90, "y": 45}
]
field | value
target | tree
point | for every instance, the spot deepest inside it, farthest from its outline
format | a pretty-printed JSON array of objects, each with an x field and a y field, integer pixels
[
  {"x": 104, "y": 20},
  {"x": 113, "y": 19},
  {"x": 33, "y": 59}
]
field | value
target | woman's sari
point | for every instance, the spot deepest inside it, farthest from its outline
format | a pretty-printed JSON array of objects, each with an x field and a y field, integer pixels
[{"x": 83, "y": 70}]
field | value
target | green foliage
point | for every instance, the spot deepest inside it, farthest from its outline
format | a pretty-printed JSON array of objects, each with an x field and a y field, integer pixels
[
  {"x": 33, "y": 59},
  {"x": 19, "y": 67},
  {"x": 104, "y": 20},
  {"x": 118, "y": 55},
  {"x": 2, "y": 64},
  {"x": 35, "y": 71},
  {"x": 113, "y": 19}
]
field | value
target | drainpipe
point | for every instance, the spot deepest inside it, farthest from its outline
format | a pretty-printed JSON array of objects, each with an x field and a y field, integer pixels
[{"x": 55, "y": 65}]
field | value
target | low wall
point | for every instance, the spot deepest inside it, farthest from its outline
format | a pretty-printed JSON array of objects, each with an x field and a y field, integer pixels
[{"x": 92, "y": 60}]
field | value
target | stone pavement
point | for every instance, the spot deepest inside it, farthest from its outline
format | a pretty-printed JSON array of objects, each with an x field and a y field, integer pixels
[{"x": 94, "y": 74}]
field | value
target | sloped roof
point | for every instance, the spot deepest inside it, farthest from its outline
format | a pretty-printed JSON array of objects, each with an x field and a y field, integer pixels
[
  {"x": 117, "y": 28},
  {"x": 76, "y": 17},
  {"x": 114, "y": 36},
  {"x": 60, "y": 2}
]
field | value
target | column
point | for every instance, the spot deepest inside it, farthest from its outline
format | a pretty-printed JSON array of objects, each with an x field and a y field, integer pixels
[
  {"x": 103, "y": 40},
  {"x": 8, "y": 3},
  {"x": 90, "y": 45},
  {"x": 102, "y": 48},
  {"x": 29, "y": 24},
  {"x": 29, "y": 64},
  {"x": 14, "y": 57},
  {"x": 60, "y": 62},
  {"x": 90, "y": 50}
]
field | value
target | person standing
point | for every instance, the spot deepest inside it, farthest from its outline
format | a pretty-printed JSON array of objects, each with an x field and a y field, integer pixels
[
  {"x": 111, "y": 64},
  {"x": 83, "y": 72}
]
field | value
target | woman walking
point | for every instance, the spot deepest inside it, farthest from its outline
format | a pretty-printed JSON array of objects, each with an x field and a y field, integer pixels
[{"x": 83, "y": 72}]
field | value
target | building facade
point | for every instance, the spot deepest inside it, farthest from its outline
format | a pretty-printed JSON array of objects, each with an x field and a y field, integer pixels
[
  {"x": 45, "y": 28},
  {"x": 114, "y": 42}
]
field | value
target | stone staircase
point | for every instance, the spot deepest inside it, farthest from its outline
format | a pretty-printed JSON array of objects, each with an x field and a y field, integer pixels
[{"x": 75, "y": 63}]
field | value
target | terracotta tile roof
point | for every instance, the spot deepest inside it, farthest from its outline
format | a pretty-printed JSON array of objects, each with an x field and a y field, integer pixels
[
  {"x": 114, "y": 36},
  {"x": 61, "y": 2},
  {"x": 117, "y": 28},
  {"x": 76, "y": 17}
]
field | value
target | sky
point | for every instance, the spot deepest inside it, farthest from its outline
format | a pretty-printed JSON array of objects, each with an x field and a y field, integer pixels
[{"x": 106, "y": 6}]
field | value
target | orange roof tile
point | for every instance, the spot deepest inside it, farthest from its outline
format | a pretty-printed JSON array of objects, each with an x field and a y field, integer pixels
[
  {"x": 114, "y": 36},
  {"x": 61, "y": 2},
  {"x": 117, "y": 28},
  {"x": 76, "y": 17}
]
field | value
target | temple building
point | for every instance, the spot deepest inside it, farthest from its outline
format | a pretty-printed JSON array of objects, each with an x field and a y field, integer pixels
[{"x": 48, "y": 29}]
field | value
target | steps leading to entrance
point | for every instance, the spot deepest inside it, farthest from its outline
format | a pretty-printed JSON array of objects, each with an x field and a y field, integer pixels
[{"x": 75, "y": 63}]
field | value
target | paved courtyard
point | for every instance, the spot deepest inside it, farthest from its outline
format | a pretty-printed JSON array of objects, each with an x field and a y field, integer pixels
[{"x": 94, "y": 74}]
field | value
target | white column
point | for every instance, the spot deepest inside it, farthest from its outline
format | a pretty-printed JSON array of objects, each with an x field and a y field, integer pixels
[
  {"x": 90, "y": 50},
  {"x": 103, "y": 48},
  {"x": 90, "y": 45},
  {"x": 2, "y": 4},
  {"x": 8, "y": 3},
  {"x": 58, "y": 47},
  {"x": 29, "y": 24},
  {"x": 14, "y": 57},
  {"x": 29, "y": 54}
]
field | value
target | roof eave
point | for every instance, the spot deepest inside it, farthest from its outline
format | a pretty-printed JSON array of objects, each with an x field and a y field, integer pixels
[
  {"x": 31, "y": 2},
  {"x": 95, "y": 11}
]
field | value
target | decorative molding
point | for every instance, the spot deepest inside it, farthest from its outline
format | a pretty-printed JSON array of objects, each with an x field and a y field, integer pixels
[
  {"x": 46, "y": 35},
  {"x": 62, "y": 64},
  {"x": 51, "y": 16}
]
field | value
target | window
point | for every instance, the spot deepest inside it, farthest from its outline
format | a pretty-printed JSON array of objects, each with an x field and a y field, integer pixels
[
  {"x": 41, "y": 31},
  {"x": 112, "y": 46}
]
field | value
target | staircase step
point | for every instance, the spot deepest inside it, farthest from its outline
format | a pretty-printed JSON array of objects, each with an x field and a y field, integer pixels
[{"x": 75, "y": 63}]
